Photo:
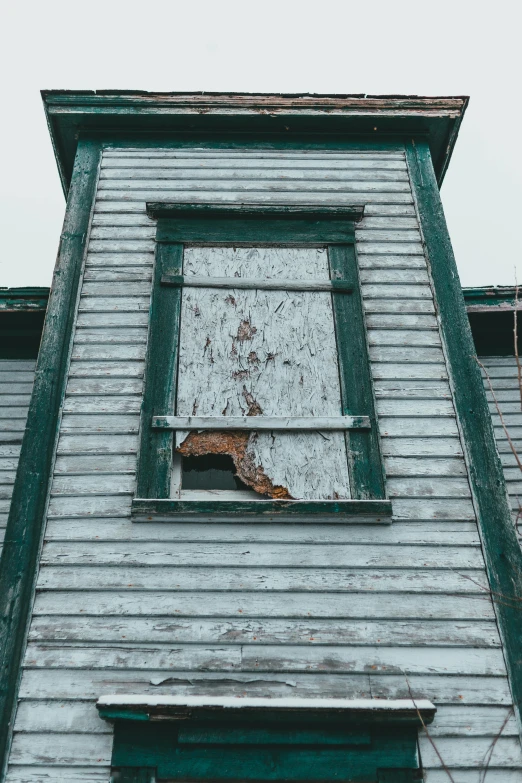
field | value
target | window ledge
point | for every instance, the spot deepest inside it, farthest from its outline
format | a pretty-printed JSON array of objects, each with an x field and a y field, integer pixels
[
  {"x": 142, "y": 707},
  {"x": 343, "y": 512}
]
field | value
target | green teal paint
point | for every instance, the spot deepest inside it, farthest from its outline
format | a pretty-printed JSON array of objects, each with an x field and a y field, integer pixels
[
  {"x": 365, "y": 510},
  {"x": 368, "y": 754},
  {"x": 363, "y": 448},
  {"x": 18, "y": 565},
  {"x": 159, "y": 396},
  {"x": 502, "y": 552}
]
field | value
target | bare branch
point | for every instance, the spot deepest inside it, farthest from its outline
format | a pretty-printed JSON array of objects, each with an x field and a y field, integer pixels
[
  {"x": 430, "y": 738},
  {"x": 489, "y": 753}
]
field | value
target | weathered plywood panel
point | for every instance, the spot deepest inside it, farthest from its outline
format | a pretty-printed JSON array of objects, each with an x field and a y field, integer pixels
[
  {"x": 174, "y": 609},
  {"x": 269, "y": 353}
]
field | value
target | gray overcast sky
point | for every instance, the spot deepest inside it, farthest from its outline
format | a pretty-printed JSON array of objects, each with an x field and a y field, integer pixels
[{"x": 443, "y": 48}]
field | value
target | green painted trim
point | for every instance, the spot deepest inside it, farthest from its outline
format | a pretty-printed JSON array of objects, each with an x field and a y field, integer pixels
[
  {"x": 134, "y": 775},
  {"x": 488, "y": 297},
  {"x": 370, "y": 752},
  {"x": 15, "y": 299},
  {"x": 161, "y": 210},
  {"x": 501, "y": 549},
  {"x": 364, "y": 511},
  {"x": 155, "y": 454},
  {"x": 367, "y": 476},
  {"x": 18, "y": 565},
  {"x": 241, "y": 231},
  {"x": 69, "y": 114},
  {"x": 161, "y": 371}
]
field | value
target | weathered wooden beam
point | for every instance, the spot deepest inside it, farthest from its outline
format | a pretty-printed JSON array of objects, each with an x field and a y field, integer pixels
[
  {"x": 222, "y": 211},
  {"x": 313, "y": 423},
  {"x": 143, "y": 707},
  {"x": 268, "y": 510},
  {"x": 193, "y": 281}
]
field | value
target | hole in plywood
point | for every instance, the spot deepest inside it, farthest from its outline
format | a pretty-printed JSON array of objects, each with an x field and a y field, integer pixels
[{"x": 210, "y": 471}]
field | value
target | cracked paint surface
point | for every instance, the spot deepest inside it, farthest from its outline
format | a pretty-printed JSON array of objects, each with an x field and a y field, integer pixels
[{"x": 254, "y": 353}]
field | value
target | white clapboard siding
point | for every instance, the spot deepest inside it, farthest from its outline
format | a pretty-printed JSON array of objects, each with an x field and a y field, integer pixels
[
  {"x": 231, "y": 607},
  {"x": 503, "y": 377},
  {"x": 16, "y": 385}
]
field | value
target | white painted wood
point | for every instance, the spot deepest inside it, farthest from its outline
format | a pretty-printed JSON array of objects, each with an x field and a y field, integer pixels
[
  {"x": 411, "y": 579},
  {"x": 270, "y": 555},
  {"x": 38, "y": 773},
  {"x": 418, "y": 582},
  {"x": 326, "y": 423},
  {"x": 172, "y": 605},
  {"x": 336, "y": 633},
  {"x": 441, "y": 532},
  {"x": 256, "y": 283},
  {"x": 81, "y": 684}
]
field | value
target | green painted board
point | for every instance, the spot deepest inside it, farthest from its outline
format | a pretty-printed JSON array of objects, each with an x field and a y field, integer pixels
[
  {"x": 159, "y": 396},
  {"x": 363, "y": 448}
]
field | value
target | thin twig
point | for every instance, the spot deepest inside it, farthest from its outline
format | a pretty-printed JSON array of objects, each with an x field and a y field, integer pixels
[
  {"x": 489, "y": 753},
  {"x": 435, "y": 748},
  {"x": 511, "y": 444},
  {"x": 492, "y": 593}
]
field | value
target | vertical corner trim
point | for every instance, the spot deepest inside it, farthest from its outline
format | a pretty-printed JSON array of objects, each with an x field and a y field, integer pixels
[
  {"x": 19, "y": 561},
  {"x": 501, "y": 548}
]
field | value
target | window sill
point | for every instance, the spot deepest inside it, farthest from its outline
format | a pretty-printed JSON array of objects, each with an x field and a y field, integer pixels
[{"x": 345, "y": 512}]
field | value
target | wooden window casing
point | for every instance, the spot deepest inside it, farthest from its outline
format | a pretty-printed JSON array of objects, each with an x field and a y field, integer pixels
[{"x": 332, "y": 227}]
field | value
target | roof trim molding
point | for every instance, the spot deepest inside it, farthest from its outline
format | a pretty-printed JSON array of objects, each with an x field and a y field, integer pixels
[{"x": 71, "y": 113}]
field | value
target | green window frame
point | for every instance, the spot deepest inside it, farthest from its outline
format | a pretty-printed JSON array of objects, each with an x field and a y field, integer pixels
[{"x": 180, "y": 224}]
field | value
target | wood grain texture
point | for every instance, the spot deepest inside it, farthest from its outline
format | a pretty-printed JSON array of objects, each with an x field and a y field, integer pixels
[
  {"x": 266, "y": 353},
  {"x": 418, "y": 584}
]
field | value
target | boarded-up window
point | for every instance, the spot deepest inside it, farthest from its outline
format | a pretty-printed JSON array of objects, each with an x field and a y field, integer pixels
[
  {"x": 263, "y": 353},
  {"x": 258, "y": 384}
]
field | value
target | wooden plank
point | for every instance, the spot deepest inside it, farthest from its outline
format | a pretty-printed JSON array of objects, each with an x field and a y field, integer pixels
[
  {"x": 357, "y": 194},
  {"x": 471, "y": 753},
  {"x": 267, "y": 658},
  {"x": 413, "y": 577},
  {"x": 259, "y": 284},
  {"x": 260, "y": 422},
  {"x": 66, "y": 749},
  {"x": 367, "y": 479},
  {"x": 442, "y": 532},
  {"x": 20, "y": 773},
  {"x": 335, "y": 633},
  {"x": 73, "y": 683},
  {"x": 272, "y": 555},
  {"x": 171, "y": 605},
  {"x": 202, "y": 504}
]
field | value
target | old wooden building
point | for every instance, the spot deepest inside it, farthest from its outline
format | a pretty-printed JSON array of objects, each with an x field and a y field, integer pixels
[{"x": 259, "y": 527}]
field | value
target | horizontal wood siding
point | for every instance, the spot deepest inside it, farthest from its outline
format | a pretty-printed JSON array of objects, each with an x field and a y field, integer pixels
[
  {"x": 240, "y": 608},
  {"x": 503, "y": 376},
  {"x": 16, "y": 386}
]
